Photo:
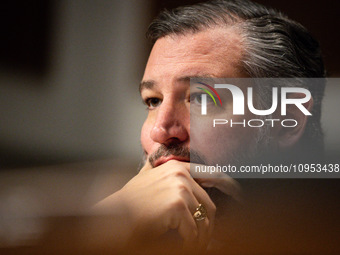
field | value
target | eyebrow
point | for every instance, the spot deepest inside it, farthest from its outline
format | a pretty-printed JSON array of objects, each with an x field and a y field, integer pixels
[
  {"x": 151, "y": 83},
  {"x": 146, "y": 85}
]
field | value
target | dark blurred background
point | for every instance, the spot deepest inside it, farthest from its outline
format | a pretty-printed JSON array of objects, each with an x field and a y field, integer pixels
[{"x": 69, "y": 72}]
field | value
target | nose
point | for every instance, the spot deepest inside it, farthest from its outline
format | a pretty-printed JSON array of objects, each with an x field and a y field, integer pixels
[{"x": 171, "y": 123}]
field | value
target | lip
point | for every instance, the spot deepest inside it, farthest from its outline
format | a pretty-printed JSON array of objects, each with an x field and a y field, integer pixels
[{"x": 163, "y": 160}]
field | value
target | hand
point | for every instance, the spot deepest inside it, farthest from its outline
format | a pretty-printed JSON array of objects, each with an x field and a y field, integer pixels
[{"x": 161, "y": 199}]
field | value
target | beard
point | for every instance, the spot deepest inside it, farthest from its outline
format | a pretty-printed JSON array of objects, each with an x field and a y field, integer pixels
[{"x": 256, "y": 148}]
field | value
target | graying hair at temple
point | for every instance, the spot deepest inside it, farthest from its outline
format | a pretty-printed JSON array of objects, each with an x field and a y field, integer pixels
[{"x": 274, "y": 47}]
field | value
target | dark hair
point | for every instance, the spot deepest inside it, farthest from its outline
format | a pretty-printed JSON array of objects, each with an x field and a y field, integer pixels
[{"x": 274, "y": 45}]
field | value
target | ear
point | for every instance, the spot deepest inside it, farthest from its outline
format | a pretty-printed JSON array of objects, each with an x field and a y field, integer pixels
[{"x": 290, "y": 136}]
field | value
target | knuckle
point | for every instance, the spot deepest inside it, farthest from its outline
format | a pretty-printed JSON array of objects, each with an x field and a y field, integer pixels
[
  {"x": 182, "y": 188},
  {"x": 176, "y": 170},
  {"x": 172, "y": 162},
  {"x": 178, "y": 205},
  {"x": 181, "y": 173},
  {"x": 176, "y": 165}
]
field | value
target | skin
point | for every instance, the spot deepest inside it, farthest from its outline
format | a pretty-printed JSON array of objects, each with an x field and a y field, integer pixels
[
  {"x": 165, "y": 88},
  {"x": 163, "y": 196}
]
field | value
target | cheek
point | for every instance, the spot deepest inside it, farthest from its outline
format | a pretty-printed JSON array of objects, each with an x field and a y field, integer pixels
[
  {"x": 220, "y": 143},
  {"x": 205, "y": 139},
  {"x": 211, "y": 143},
  {"x": 146, "y": 140}
]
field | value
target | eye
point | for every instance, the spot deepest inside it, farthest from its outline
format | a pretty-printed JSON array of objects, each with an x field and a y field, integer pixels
[
  {"x": 152, "y": 102},
  {"x": 196, "y": 98}
]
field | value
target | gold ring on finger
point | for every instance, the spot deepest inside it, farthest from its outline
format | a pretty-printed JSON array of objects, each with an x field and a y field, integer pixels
[{"x": 200, "y": 213}]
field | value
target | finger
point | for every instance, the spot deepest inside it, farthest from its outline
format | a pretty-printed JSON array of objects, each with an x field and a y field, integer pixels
[
  {"x": 226, "y": 185},
  {"x": 193, "y": 198},
  {"x": 205, "y": 226},
  {"x": 192, "y": 233},
  {"x": 188, "y": 230},
  {"x": 218, "y": 180}
]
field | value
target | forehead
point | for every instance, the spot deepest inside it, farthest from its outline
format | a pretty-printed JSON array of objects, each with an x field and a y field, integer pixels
[{"x": 210, "y": 53}]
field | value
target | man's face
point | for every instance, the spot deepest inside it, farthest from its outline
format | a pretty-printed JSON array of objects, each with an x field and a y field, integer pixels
[{"x": 165, "y": 88}]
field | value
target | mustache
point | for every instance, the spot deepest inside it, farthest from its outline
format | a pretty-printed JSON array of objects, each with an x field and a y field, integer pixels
[{"x": 178, "y": 150}]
